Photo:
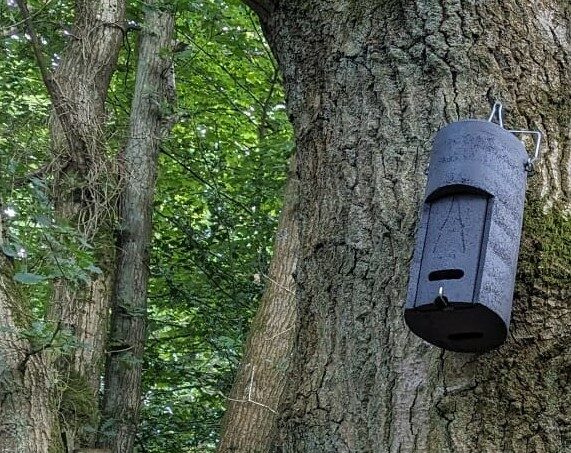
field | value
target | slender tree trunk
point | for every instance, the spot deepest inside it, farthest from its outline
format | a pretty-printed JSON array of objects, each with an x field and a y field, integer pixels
[
  {"x": 251, "y": 417},
  {"x": 151, "y": 117},
  {"x": 368, "y": 84}
]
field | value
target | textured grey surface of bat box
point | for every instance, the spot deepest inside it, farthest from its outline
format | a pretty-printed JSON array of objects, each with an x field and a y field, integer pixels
[{"x": 463, "y": 269}]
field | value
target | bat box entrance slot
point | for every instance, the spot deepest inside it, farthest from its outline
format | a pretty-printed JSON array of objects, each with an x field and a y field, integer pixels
[
  {"x": 446, "y": 274},
  {"x": 460, "y": 336}
]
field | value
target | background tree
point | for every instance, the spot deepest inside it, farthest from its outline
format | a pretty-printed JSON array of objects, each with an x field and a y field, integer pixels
[
  {"x": 78, "y": 170},
  {"x": 78, "y": 184},
  {"x": 216, "y": 204},
  {"x": 257, "y": 391},
  {"x": 152, "y": 115},
  {"x": 218, "y": 197},
  {"x": 368, "y": 85},
  {"x": 83, "y": 186}
]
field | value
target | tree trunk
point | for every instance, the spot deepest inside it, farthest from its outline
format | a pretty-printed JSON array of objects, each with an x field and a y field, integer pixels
[
  {"x": 83, "y": 196},
  {"x": 83, "y": 181},
  {"x": 27, "y": 412},
  {"x": 368, "y": 84},
  {"x": 151, "y": 118},
  {"x": 250, "y": 420}
]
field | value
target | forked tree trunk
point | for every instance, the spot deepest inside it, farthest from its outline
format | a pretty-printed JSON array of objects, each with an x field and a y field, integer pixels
[
  {"x": 250, "y": 420},
  {"x": 368, "y": 84},
  {"x": 85, "y": 177},
  {"x": 151, "y": 118}
]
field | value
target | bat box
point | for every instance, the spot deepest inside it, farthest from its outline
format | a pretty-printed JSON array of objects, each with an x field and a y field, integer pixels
[{"x": 464, "y": 265}]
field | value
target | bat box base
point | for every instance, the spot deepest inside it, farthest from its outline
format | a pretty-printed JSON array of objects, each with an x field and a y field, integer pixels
[{"x": 460, "y": 327}]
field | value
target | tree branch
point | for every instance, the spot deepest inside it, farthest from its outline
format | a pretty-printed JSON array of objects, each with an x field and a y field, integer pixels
[
  {"x": 37, "y": 350},
  {"x": 54, "y": 90},
  {"x": 40, "y": 58},
  {"x": 199, "y": 178},
  {"x": 12, "y": 29},
  {"x": 263, "y": 8}
]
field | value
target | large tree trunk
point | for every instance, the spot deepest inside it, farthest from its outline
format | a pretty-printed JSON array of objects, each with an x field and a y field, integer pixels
[
  {"x": 368, "y": 84},
  {"x": 151, "y": 118},
  {"x": 250, "y": 420}
]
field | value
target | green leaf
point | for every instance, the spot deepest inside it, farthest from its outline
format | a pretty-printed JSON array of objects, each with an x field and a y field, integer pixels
[
  {"x": 94, "y": 269},
  {"x": 9, "y": 250},
  {"x": 28, "y": 279}
]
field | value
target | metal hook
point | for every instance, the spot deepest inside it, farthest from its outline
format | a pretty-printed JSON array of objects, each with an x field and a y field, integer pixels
[
  {"x": 441, "y": 300},
  {"x": 427, "y": 169},
  {"x": 529, "y": 166},
  {"x": 497, "y": 111}
]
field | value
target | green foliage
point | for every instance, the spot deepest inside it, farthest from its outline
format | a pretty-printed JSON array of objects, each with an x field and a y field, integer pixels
[
  {"x": 27, "y": 278},
  {"x": 41, "y": 247},
  {"x": 217, "y": 201},
  {"x": 48, "y": 335},
  {"x": 216, "y": 205}
]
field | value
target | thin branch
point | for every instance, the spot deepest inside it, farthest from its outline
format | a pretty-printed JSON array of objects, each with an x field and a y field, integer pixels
[
  {"x": 267, "y": 277},
  {"x": 7, "y": 32},
  {"x": 227, "y": 71},
  {"x": 37, "y": 174},
  {"x": 58, "y": 264},
  {"x": 48, "y": 344},
  {"x": 256, "y": 28},
  {"x": 115, "y": 351},
  {"x": 266, "y": 107},
  {"x": 47, "y": 76},
  {"x": 280, "y": 333},
  {"x": 12, "y": 28}
]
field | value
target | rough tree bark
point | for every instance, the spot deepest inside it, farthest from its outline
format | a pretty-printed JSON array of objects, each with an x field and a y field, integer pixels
[
  {"x": 27, "y": 411},
  {"x": 368, "y": 84},
  {"x": 251, "y": 416},
  {"x": 84, "y": 172},
  {"x": 151, "y": 118}
]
